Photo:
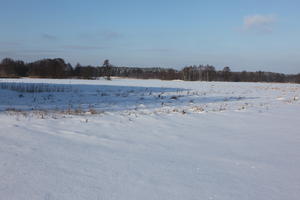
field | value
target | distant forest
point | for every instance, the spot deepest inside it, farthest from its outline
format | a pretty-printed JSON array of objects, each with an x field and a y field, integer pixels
[{"x": 58, "y": 68}]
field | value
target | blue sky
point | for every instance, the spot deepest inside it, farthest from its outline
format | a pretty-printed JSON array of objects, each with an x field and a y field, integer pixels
[{"x": 245, "y": 35}]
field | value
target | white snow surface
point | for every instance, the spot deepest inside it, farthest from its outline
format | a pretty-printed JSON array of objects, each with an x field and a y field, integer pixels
[{"x": 149, "y": 139}]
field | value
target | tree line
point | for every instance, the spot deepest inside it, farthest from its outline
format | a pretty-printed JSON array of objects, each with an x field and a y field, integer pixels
[{"x": 58, "y": 68}]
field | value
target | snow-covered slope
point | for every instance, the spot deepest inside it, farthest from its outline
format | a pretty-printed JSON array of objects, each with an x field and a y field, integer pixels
[{"x": 150, "y": 139}]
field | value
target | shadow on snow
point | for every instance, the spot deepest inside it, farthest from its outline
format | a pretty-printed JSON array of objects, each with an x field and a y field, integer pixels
[{"x": 40, "y": 96}]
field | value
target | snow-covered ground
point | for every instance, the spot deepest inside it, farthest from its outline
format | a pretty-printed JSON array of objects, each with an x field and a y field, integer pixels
[{"x": 148, "y": 139}]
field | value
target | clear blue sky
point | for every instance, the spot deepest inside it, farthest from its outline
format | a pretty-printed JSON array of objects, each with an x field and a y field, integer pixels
[{"x": 245, "y": 35}]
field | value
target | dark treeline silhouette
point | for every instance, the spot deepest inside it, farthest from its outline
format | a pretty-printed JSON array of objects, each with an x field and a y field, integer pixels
[{"x": 58, "y": 68}]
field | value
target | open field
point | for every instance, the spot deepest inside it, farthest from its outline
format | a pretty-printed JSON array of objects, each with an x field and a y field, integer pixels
[
  {"x": 142, "y": 95},
  {"x": 148, "y": 139}
]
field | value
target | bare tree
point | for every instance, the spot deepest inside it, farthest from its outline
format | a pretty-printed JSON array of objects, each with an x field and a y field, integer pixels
[
  {"x": 226, "y": 73},
  {"x": 107, "y": 69}
]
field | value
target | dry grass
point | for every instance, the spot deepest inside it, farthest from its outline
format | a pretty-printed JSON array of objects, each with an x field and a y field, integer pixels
[{"x": 34, "y": 87}]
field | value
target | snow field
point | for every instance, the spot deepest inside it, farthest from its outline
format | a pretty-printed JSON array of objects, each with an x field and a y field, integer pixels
[{"x": 197, "y": 140}]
